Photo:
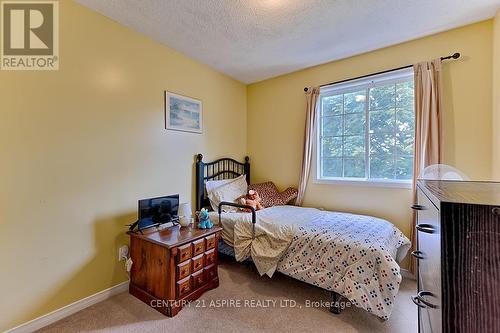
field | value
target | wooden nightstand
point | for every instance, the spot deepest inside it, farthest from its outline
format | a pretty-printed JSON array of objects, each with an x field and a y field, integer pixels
[{"x": 173, "y": 266}]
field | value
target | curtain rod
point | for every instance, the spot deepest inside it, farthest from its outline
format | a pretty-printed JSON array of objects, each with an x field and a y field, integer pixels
[{"x": 455, "y": 55}]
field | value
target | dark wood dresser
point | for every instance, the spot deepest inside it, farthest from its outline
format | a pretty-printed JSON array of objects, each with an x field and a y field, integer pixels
[
  {"x": 173, "y": 266},
  {"x": 458, "y": 252}
]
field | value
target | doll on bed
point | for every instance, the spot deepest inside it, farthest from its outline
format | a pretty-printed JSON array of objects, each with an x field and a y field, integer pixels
[{"x": 252, "y": 198}]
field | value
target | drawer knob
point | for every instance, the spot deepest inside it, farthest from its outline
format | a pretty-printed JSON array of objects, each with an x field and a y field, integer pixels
[
  {"x": 427, "y": 228},
  {"x": 417, "y": 207},
  {"x": 416, "y": 300},
  {"x": 496, "y": 211},
  {"x": 421, "y": 298},
  {"x": 418, "y": 254},
  {"x": 421, "y": 302}
]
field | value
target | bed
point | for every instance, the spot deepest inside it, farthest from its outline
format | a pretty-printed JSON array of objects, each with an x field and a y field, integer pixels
[{"x": 352, "y": 256}]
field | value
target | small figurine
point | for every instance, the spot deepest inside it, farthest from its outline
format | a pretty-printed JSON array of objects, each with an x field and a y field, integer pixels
[{"x": 205, "y": 222}]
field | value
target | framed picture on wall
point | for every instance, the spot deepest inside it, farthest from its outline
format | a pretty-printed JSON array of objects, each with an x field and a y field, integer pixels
[{"x": 183, "y": 113}]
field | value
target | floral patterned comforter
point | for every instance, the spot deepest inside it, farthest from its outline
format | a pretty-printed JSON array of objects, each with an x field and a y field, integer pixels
[{"x": 354, "y": 255}]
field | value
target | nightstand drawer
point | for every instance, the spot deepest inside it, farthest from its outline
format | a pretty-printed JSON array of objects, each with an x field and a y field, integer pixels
[
  {"x": 184, "y": 252},
  {"x": 183, "y": 270},
  {"x": 198, "y": 263},
  {"x": 198, "y": 279},
  {"x": 210, "y": 272},
  {"x": 184, "y": 287},
  {"x": 209, "y": 257},
  {"x": 211, "y": 241},
  {"x": 198, "y": 246}
]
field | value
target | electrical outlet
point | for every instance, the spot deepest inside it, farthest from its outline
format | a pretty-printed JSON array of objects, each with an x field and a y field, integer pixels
[
  {"x": 123, "y": 253},
  {"x": 128, "y": 265}
]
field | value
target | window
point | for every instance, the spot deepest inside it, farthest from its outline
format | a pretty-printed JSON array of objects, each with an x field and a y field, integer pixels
[{"x": 366, "y": 129}]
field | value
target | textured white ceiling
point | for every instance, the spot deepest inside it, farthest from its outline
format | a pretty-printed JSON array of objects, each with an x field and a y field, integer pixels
[{"x": 252, "y": 40}]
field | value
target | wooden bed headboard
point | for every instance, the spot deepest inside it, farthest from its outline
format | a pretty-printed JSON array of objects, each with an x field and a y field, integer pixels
[{"x": 223, "y": 168}]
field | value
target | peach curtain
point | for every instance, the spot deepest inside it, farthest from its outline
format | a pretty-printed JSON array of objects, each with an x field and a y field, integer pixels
[
  {"x": 312, "y": 96},
  {"x": 428, "y": 126}
]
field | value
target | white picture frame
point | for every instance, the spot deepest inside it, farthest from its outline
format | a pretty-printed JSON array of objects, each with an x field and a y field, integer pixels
[{"x": 183, "y": 113}]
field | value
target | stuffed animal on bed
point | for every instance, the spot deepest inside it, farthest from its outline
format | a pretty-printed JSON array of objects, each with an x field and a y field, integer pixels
[
  {"x": 204, "y": 220},
  {"x": 253, "y": 199}
]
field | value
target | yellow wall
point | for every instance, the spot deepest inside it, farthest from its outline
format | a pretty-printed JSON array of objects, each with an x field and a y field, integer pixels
[
  {"x": 80, "y": 145},
  {"x": 276, "y": 118},
  {"x": 496, "y": 98}
]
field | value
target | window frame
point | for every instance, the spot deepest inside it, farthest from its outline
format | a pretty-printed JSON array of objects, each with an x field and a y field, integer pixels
[{"x": 365, "y": 83}]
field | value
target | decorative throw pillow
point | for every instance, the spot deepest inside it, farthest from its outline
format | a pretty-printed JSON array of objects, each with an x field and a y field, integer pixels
[
  {"x": 268, "y": 193},
  {"x": 271, "y": 196},
  {"x": 228, "y": 192},
  {"x": 289, "y": 194}
]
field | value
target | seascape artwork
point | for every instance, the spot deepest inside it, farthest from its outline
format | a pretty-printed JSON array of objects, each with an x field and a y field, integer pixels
[{"x": 183, "y": 113}]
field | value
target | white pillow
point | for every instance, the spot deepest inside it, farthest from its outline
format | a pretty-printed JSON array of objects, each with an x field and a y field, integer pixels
[
  {"x": 211, "y": 185},
  {"x": 228, "y": 192}
]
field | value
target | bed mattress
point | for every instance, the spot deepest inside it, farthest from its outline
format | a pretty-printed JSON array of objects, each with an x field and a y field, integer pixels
[{"x": 354, "y": 255}]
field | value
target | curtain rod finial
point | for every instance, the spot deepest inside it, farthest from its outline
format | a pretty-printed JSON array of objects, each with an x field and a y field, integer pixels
[
  {"x": 456, "y": 55},
  {"x": 306, "y": 89}
]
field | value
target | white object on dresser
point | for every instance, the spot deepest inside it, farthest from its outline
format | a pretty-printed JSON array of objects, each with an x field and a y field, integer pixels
[{"x": 185, "y": 214}]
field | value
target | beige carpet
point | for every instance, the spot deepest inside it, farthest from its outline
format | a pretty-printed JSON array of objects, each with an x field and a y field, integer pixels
[{"x": 124, "y": 313}]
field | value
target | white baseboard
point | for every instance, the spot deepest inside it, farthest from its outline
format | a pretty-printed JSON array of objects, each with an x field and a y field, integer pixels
[{"x": 69, "y": 309}]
